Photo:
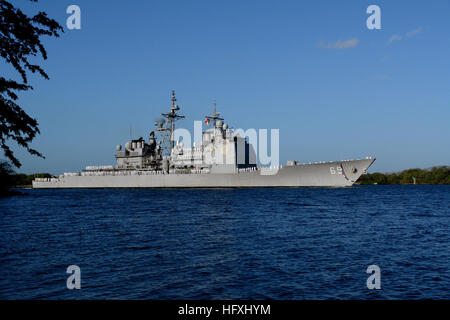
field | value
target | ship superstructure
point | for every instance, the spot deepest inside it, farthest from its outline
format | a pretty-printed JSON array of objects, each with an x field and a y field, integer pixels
[{"x": 217, "y": 152}]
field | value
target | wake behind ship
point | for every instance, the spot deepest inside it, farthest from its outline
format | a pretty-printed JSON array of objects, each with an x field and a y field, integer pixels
[{"x": 222, "y": 159}]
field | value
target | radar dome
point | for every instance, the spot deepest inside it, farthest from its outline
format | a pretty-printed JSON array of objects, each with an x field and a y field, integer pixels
[
  {"x": 225, "y": 126},
  {"x": 119, "y": 147}
]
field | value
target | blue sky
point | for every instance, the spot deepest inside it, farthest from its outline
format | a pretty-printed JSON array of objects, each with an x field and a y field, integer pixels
[{"x": 335, "y": 89}]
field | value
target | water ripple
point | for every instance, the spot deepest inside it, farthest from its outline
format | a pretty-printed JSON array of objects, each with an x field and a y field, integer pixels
[{"x": 227, "y": 243}]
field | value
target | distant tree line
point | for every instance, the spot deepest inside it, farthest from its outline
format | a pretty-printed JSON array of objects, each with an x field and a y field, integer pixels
[
  {"x": 9, "y": 179},
  {"x": 435, "y": 175},
  {"x": 22, "y": 179}
]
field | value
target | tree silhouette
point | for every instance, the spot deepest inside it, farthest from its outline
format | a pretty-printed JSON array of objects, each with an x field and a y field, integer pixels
[
  {"x": 6, "y": 178},
  {"x": 20, "y": 39}
]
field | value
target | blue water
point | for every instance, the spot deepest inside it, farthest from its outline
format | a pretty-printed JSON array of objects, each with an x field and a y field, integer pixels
[{"x": 227, "y": 243}]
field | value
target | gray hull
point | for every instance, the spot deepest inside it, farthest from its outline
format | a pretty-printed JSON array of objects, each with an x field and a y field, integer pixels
[{"x": 329, "y": 174}]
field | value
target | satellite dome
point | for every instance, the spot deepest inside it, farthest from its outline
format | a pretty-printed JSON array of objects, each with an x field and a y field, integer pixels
[
  {"x": 225, "y": 126},
  {"x": 119, "y": 147},
  {"x": 128, "y": 145},
  {"x": 219, "y": 124}
]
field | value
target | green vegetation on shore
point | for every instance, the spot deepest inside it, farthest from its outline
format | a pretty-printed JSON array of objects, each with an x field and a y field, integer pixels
[
  {"x": 22, "y": 179},
  {"x": 435, "y": 175},
  {"x": 10, "y": 179}
]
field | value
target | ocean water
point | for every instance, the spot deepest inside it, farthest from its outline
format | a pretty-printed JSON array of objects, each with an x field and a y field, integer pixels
[{"x": 307, "y": 243}]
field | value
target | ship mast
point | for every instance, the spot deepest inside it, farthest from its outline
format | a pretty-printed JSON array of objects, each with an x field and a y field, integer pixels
[
  {"x": 215, "y": 116},
  {"x": 172, "y": 116}
]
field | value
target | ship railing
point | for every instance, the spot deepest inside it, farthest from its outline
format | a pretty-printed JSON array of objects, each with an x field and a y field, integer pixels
[
  {"x": 94, "y": 168},
  {"x": 251, "y": 169},
  {"x": 46, "y": 180},
  {"x": 200, "y": 171},
  {"x": 121, "y": 173},
  {"x": 71, "y": 174},
  {"x": 128, "y": 173}
]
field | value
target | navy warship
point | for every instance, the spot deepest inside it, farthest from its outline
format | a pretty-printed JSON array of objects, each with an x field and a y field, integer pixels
[{"x": 223, "y": 158}]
